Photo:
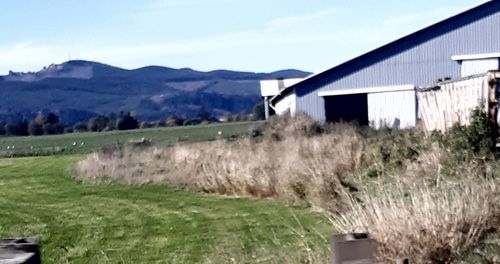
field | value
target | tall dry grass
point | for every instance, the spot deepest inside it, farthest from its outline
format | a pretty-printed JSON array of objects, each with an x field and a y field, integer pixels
[
  {"x": 425, "y": 224},
  {"x": 294, "y": 169}
]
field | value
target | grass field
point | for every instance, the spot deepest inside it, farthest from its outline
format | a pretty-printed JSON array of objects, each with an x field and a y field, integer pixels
[
  {"x": 111, "y": 223},
  {"x": 65, "y": 144}
]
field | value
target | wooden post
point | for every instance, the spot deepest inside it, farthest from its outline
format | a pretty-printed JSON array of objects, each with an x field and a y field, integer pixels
[
  {"x": 266, "y": 107},
  {"x": 355, "y": 248},
  {"x": 19, "y": 250}
]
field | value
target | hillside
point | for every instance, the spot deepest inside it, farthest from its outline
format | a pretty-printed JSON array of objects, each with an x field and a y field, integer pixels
[{"x": 80, "y": 89}]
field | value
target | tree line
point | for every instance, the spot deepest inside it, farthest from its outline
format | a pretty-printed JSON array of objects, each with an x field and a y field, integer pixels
[{"x": 50, "y": 124}]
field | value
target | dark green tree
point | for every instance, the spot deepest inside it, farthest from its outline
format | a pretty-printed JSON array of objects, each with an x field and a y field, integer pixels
[
  {"x": 98, "y": 123},
  {"x": 80, "y": 127},
  {"x": 10, "y": 129},
  {"x": 51, "y": 125},
  {"x": 51, "y": 119},
  {"x": 35, "y": 127},
  {"x": 173, "y": 121},
  {"x": 53, "y": 128},
  {"x": 127, "y": 122},
  {"x": 259, "y": 112},
  {"x": 22, "y": 128}
]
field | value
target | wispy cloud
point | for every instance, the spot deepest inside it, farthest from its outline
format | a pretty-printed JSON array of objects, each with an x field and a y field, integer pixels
[
  {"x": 32, "y": 56},
  {"x": 403, "y": 19},
  {"x": 428, "y": 17},
  {"x": 288, "y": 21}
]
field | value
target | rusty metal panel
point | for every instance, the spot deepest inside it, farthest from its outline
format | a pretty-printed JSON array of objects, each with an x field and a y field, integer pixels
[{"x": 392, "y": 109}]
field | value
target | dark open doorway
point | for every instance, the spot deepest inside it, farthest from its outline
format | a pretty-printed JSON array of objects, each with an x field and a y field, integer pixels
[{"x": 347, "y": 108}]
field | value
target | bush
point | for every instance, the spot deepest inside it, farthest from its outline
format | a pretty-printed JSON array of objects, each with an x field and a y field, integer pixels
[
  {"x": 281, "y": 127},
  {"x": 477, "y": 138}
]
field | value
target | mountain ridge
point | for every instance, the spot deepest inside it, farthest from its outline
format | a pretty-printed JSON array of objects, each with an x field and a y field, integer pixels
[{"x": 153, "y": 92}]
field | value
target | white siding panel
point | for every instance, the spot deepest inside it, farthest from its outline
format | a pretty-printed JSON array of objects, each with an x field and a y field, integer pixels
[
  {"x": 288, "y": 104},
  {"x": 392, "y": 109},
  {"x": 474, "y": 67},
  {"x": 452, "y": 103}
]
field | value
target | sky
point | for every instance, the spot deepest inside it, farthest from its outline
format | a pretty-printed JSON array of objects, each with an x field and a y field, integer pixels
[{"x": 245, "y": 35}]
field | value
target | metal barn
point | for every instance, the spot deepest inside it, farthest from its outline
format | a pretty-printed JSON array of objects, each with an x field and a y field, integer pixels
[{"x": 378, "y": 88}]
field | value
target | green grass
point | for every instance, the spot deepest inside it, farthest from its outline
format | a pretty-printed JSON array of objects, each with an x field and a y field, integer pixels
[
  {"x": 80, "y": 222},
  {"x": 63, "y": 144}
]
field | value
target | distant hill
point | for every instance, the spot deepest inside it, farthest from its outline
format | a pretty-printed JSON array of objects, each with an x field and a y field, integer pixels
[{"x": 80, "y": 89}]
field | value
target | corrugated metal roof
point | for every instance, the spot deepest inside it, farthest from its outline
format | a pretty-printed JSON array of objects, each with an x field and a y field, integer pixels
[{"x": 395, "y": 47}]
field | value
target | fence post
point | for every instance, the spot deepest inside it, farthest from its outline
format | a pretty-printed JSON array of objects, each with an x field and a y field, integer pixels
[
  {"x": 19, "y": 251},
  {"x": 354, "y": 248}
]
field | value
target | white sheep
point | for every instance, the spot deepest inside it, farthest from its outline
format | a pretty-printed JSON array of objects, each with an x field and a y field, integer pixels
[
  {"x": 74, "y": 143},
  {"x": 220, "y": 132}
]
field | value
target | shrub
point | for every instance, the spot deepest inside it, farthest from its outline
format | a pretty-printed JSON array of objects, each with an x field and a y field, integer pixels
[
  {"x": 477, "y": 138},
  {"x": 280, "y": 127}
]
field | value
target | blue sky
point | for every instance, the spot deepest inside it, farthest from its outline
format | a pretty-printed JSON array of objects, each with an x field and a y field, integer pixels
[{"x": 250, "y": 35}]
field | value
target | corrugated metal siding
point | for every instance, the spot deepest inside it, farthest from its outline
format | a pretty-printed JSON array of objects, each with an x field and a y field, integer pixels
[
  {"x": 392, "y": 109},
  {"x": 420, "y": 60},
  {"x": 474, "y": 67}
]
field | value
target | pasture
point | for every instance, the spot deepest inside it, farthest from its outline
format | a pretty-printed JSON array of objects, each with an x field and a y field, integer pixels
[
  {"x": 82, "y": 143},
  {"x": 81, "y": 222}
]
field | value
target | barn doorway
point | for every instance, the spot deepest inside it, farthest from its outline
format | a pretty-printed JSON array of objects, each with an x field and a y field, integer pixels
[{"x": 347, "y": 108}]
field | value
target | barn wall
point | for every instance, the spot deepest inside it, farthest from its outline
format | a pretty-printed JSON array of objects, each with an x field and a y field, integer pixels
[
  {"x": 286, "y": 105},
  {"x": 392, "y": 109},
  {"x": 474, "y": 67},
  {"x": 419, "y": 59}
]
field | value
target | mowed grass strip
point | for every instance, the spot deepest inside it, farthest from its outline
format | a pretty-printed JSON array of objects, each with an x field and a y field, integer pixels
[
  {"x": 80, "y": 143},
  {"x": 81, "y": 222}
]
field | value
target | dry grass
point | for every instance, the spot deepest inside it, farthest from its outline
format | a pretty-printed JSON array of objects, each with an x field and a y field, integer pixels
[
  {"x": 294, "y": 169},
  {"x": 425, "y": 224}
]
